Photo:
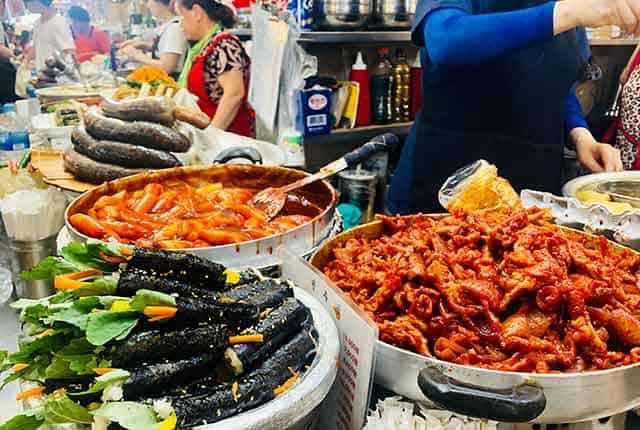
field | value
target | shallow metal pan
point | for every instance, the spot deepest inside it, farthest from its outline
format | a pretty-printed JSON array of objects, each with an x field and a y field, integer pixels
[{"x": 256, "y": 253}]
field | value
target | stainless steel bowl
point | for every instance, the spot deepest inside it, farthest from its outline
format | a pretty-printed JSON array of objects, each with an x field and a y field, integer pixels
[
  {"x": 341, "y": 14},
  {"x": 395, "y": 14}
]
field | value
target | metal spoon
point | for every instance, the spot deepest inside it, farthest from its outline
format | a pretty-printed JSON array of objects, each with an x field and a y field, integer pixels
[{"x": 272, "y": 200}]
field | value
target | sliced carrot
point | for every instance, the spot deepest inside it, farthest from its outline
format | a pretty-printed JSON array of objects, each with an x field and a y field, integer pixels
[
  {"x": 246, "y": 338},
  {"x": 158, "y": 313},
  {"x": 287, "y": 384},
  {"x": 30, "y": 393},
  {"x": 84, "y": 274},
  {"x": 18, "y": 367},
  {"x": 112, "y": 258},
  {"x": 127, "y": 252},
  {"x": 65, "y": 284},
  {"x": 103, "y": 370}
]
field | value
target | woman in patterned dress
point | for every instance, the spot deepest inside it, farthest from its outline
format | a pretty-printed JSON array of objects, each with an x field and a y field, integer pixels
[
  {"x": 627, "y": 139},
  {"x": 216, "y": 69}
]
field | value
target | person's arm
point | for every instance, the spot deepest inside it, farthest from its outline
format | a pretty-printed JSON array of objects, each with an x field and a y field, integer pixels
[
  {"x": 595, "y": 156},
  {"x": 454, "y": 36},
  {"x": 574, "y": 116},
  {"x": 167, "y": 61},
  {"x": 5, "y": 52},
  {"x": 233, "y": 93},
  {"x": 137, "y": 44}
]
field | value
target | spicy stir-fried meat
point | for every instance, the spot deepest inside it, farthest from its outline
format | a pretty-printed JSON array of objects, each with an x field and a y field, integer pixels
[
  {"x": 507, "y": 292},
  {"x": 176, "y": 215}
]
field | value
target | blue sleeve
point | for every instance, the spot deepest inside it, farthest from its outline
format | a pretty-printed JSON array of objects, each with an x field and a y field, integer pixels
[
  {"x": 583, "y": 42},
  {"x": 573, "y": 117},
  {"x": 453, "y": 37}
]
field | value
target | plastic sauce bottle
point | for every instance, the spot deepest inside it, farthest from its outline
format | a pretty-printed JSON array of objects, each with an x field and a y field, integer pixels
[
  {"x": 416, "y": 87},
  {"x": 381, "y": 89},
  {"x": 360, "y": 74},
  {"x": 14, "y": 134},
  {"x": 401, "y": 88}
]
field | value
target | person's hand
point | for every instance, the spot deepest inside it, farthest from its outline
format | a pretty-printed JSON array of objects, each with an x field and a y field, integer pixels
[
  {"x": 569, "y": 14},
  {"x": 133, "y": 43},
  {"x": 132, "y": 53},
  {"x": 598, "y": 157}
]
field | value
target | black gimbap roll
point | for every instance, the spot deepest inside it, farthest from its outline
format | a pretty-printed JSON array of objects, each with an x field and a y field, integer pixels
[
  {"x": 276, "y": 328},
  {"x": 158, "y": 345},
  {"x": 180, "y": 266},
  {"x": 256, "y": 388},
  {"x": 150, "y": 379}
]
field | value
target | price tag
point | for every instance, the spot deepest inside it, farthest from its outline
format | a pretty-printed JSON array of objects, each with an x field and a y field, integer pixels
[{"x": 358, "y": 336}]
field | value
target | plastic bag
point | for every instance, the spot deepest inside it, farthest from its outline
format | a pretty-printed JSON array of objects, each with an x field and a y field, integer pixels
[
  {"x": 207, "y": 144},
  {"x": 23, "y": 76},
  {"x": 477, "y": 186}
]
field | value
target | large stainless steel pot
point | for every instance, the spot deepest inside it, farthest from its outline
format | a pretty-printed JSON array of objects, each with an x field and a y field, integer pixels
[
  {"x": 258, "y": 253},
  {"x": 497, "y": 395},
  {"x": 395, "y": 14},
  {"x": 341, "y": 14}
]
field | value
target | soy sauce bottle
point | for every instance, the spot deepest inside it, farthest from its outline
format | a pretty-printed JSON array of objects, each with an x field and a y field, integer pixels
[{"x": 381, "y": 88}]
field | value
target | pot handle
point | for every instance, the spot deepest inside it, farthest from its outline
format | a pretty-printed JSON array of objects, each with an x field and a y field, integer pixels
[
  {"x": 514, "y": 405},
  {"x": 246, "y": 152}
]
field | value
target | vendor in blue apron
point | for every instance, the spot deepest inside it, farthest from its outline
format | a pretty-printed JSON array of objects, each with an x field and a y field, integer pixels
[{"x": 498, "y": 83}]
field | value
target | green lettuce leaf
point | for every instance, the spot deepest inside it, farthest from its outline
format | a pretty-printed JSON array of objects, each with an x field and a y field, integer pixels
[
  {"x": 37, "y": 354},
  {"x": 74, "y": 316},
  {"x": 103, "y": 381},
  {"x": 105, "y": 326},
  {"x": 99, "y": 287},
  {"x": 22, "y": 422},
  {"x": 50, "y": 267},
  {"x": 50, "y": 301},
  {"x": 47, "y": 344},
  {"x": 61, "y": 410},
  {"x": 145, "y": 298},
  {"x": 78, "y": 358},
  {"x": 87, "y": 255},
  {"x": 130, "y": 415}
]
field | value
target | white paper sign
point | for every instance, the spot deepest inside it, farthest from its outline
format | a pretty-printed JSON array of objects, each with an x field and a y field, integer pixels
[{"x": 358, "y": 336}]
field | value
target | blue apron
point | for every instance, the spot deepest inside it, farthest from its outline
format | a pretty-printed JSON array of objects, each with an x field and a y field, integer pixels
[{"x": 509, "y": 111}]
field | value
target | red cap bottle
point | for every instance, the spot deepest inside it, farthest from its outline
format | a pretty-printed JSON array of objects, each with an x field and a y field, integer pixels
[
  {"x": 360, "y": 74},
  {"x": 416, "y": 87}
]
